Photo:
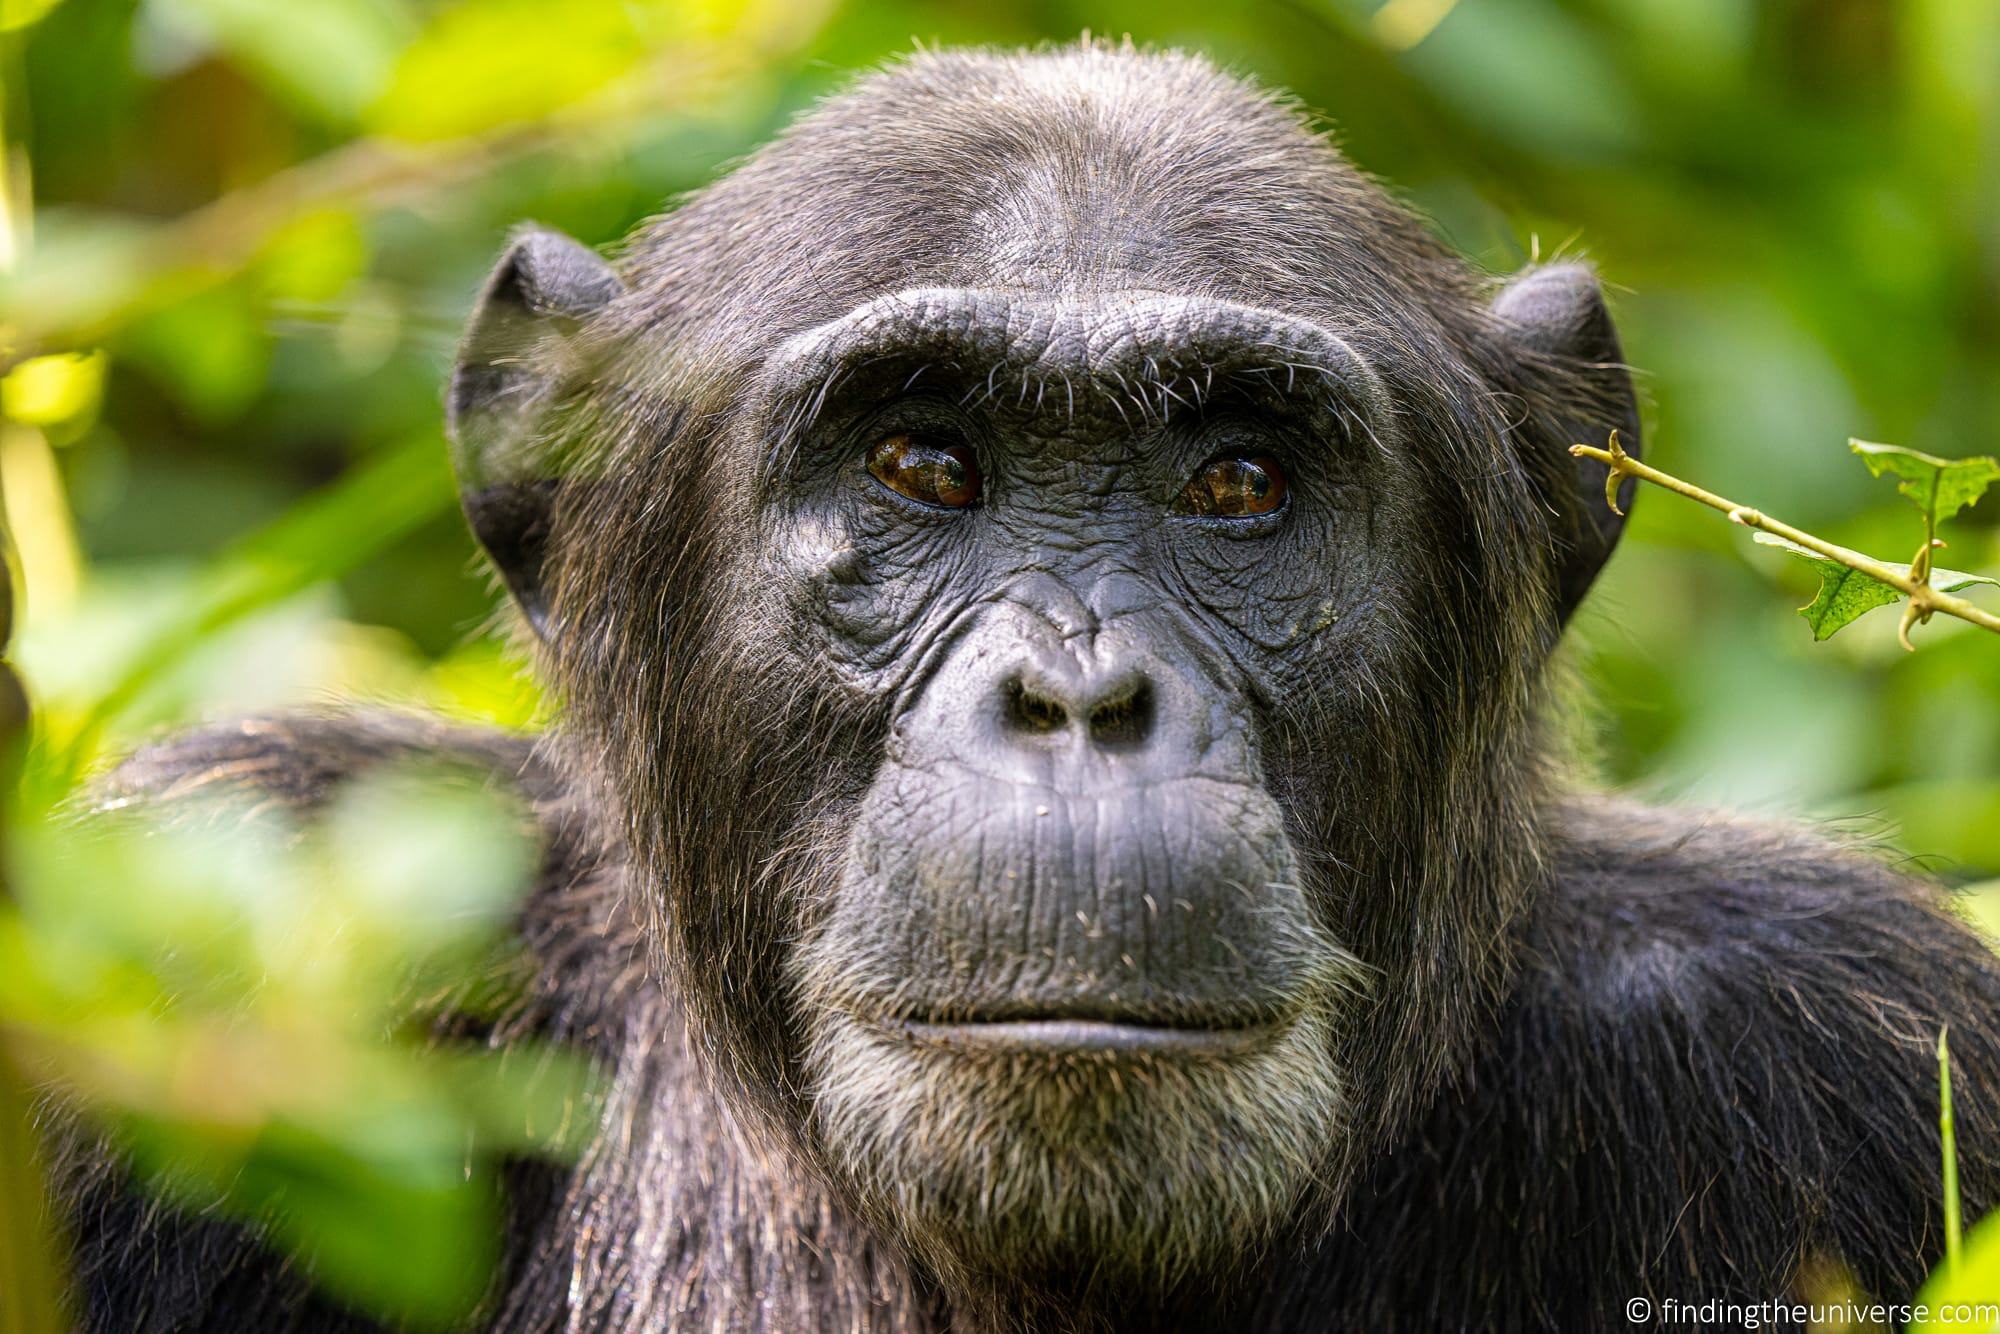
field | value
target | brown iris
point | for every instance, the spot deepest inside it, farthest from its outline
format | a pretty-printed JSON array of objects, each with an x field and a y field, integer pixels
[
  {"x": 925, "y": 469},
  {"x": 1235, "y": 488}
]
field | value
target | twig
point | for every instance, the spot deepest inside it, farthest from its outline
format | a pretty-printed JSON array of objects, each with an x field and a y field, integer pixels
[
  {"x": 1948, "y": 1140},
  {"x": 1923, "y": 597}
]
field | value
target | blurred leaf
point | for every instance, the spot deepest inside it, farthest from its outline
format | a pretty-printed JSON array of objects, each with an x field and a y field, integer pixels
[
  {"x": 1846, "y": 593},
  {"x": 1980, "y": 903},
  {"x": 456, "y": 867},
  {"x": 83, "y": 264},
  {"x": 247, "y": 1001},
  {"x": 1974, "y": 1281},
  {"x": 485, "y": 681},
  {"x": 417, "y": 1243},
  {"x": 1955, "y": 821},
  {"x": 331, "y": 57},
  {"x": 488, "y": 63},
  {"x": 1936, "y": 486},
  {"x": 53, "y": 390},
  {"x": 1487, "y": 61},
  {"x": 15, "y": 14},
  {"x": 313, "y": 257},
  {"x": 210, "y": 352},
  {"x": 320, "y": 539},
  {"x": 1402, "y": 24}
]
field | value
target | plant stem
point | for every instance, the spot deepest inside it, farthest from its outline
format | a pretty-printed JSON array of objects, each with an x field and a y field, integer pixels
[
  {"x": 1948, "y": 1135},
  {"x": 1922, "y": 597}
]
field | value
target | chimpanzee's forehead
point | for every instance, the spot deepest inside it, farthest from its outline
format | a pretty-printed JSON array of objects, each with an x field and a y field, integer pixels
[
  {"x": 1089, "y": 168},
  {"x": 1076, "y": 170}
]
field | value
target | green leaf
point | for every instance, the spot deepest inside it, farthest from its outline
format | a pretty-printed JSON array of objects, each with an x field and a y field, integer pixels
[
  {"x": 1949, "y": 484},
  {"x": 1845, "y": 594},
  {"x": 17, "y": 14},
  {"x": 1951, "y": 581},
  {"x": 332, "y": 58},
  {"x": 483, "y": 64},
  {"x": 1973, "y": 1281},
  {"x": 393, "y": 492},
  {"x": 252, "y": 1008}
]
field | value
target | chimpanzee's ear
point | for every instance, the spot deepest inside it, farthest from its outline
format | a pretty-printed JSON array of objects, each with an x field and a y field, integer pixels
[
  {"x": 518, "y": 348},
  {"x": 1579, "y": 391}
]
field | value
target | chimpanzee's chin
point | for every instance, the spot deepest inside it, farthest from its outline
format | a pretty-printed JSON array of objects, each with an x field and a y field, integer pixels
[{"x": 1013, "y": 1152}]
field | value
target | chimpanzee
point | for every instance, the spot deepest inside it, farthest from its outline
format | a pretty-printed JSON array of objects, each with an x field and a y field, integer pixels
[{"x": 1055, "y": 822}]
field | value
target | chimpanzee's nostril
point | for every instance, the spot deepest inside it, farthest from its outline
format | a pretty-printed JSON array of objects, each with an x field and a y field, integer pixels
[
  {"x": 1120, "y": 714},
  {"x": 1125, "y": 718},
  {"x": 1031, "y": 710}
]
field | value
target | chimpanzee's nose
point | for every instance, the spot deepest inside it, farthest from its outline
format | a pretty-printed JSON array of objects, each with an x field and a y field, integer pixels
[
  {"x": 1114, "y": 711},
  {"x": 1048, "y": 694}
]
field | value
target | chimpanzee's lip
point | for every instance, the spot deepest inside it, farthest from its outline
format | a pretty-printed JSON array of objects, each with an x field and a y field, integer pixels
[{"x": 1060, "y": 1036}]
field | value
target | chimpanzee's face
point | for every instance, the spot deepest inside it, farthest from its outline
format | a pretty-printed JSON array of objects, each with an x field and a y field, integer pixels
[
  {"x": 1052, "y": 567},
  {"x": 1073, "y": 985}
]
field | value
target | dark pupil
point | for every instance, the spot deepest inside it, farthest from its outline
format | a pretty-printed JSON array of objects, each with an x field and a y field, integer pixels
[
  {"x": 937, "y": 474},
  {"x": 1233, "y": 488}
]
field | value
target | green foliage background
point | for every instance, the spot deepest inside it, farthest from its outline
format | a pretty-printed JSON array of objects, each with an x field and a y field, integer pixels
[
  {"x": 237, "y": 239},
  {"x": 268, "y": 217}
]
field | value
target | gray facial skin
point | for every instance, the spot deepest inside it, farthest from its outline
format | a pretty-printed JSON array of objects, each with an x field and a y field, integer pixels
[{"x": 1072, "y": 946}]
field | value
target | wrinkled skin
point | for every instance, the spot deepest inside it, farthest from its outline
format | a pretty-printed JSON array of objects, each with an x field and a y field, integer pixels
[
  {"x": 1069, "y": 819},
  {"x": 1014, "y": 895}
]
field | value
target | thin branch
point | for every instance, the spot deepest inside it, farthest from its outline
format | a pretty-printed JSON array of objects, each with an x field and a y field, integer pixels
[
  {"x": 1948, "y": 1141},
  {"x": 1923, "y": 598}
]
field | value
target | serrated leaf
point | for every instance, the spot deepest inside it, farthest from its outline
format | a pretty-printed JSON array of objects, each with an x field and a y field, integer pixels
[
  {"x": 1846, "y": 593},
  {"x": 1953, "y": 580},
  {"x": 1949, "y": 484}
]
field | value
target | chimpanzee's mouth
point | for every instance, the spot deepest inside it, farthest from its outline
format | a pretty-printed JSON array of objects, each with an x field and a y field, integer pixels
[{"x": 1059, "y": 1036}]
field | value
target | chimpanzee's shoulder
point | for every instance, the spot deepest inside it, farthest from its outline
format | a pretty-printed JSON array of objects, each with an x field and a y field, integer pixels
[
  {"x": 142, "y": 1264},
  {"x": 1756, "y": 941},
  {"x": 575, "y": 926},
  {"x": 298, "y": 760},
  {"x": 1717, "y": 1069},
  {"x": 1730, "y": 1026},
  {"x": 1649, "y": 904},
  {"x": 292, "y": 764}
]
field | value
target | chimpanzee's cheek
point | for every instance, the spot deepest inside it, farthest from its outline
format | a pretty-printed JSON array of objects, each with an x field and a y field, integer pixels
[
  {"x": 1277, "y": 596},
  {"x": 861, "y": 585}
]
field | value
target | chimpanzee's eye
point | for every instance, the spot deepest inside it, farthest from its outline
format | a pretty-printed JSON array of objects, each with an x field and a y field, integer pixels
[
  {"x": 1234, "y": 488},
  {"x": 925, "y": 469}
]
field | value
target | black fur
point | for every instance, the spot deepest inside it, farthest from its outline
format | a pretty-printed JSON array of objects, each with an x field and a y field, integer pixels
[{"x": 1586, "y": 1051}]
